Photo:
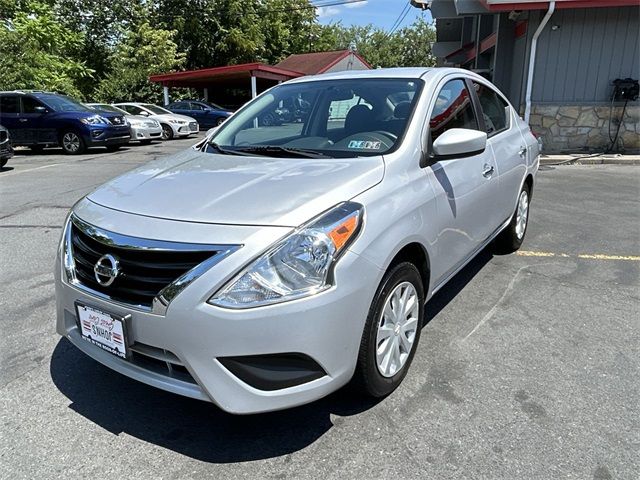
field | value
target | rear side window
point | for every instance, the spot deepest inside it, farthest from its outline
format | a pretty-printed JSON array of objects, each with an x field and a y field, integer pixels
[
  {"x": 453, "y": 109},
  {"x": 9, "y": 104},
  {"x": 494, "y": 109},
  {"x": 196, "y": 106}
]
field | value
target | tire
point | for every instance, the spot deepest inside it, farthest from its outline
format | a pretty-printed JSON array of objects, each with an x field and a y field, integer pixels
[
  {"x": 72, "y": 143},
  {"x": 371, "y": 376},
  {"x": 3, "y": 162},
  {"x": 220, "y": 121},
  {"x": 113, "y": 148},
  {"x": 511, "y": 238},
  {"x": 167, "y": 132}
]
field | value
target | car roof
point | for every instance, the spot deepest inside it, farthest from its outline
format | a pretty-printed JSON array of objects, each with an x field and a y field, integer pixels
[{"x": 399, "y": 72}]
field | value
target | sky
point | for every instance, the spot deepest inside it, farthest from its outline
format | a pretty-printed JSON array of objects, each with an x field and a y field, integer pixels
[{"x": 381, "y": 13}]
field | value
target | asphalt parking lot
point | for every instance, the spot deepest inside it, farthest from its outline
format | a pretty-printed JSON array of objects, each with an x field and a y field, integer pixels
[{"x": 529, "y": 366}]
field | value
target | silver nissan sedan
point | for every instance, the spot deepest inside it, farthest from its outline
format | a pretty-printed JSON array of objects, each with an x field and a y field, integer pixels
[{"x": 272, "y": 265}]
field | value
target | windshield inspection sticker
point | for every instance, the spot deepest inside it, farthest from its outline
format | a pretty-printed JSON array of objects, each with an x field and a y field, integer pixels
[{"x": 364, "y": 145}]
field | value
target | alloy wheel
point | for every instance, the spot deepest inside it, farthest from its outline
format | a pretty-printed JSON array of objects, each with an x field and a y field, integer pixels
[
  {"x": 522, "y": 214},
  {"x": 397, "y": 328},
  {"x": 71, "y": 142}
]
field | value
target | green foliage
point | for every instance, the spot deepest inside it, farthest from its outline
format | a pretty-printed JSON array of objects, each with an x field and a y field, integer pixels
[
  {"x": 142, "y": 52},
  {"x": 38, "y": 53},
  {"x": 106, "y": 49}
]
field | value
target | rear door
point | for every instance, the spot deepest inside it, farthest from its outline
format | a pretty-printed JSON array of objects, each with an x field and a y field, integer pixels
[
  {"x": 464, "y": 187},
  {"x": 507, "y": 144},
  {"x": 10, "y": 117},
  {"x": 39, "y": 130}
]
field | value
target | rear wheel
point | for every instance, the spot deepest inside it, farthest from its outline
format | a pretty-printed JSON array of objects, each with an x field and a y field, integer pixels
[
  {"x": 72, "y": 143},
  {"x": 392, "y": 331},
  {"x": 511, "y": 238},
  {"x": 167, "y": 132}
]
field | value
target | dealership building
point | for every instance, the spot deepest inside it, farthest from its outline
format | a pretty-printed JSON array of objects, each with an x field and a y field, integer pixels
[{"x": 557, "y": 62}]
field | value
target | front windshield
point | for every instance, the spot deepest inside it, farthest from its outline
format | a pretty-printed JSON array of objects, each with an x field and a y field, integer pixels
[
  {"x": 108, "y": 108},
  {"x": 333, "y": 118},
  {"x": 155, "y": 109},
  {"x": 62, "y": 103}
]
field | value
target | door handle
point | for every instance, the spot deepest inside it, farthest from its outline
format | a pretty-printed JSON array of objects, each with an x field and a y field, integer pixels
[
  {"x": 22, "y": 120},
  {"x": 523, "y": 152},
  {"x": 487, "y": 170}
]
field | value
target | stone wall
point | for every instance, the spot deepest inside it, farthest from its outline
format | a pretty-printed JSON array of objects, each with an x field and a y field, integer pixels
[{"x": 584, "y": 128}]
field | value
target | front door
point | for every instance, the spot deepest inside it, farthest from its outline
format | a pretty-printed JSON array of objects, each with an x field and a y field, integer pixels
[{"x": 464, "y": 187}]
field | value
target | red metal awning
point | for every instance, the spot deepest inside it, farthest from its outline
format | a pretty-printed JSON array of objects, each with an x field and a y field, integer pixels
[{"x": 224, "y": 76}]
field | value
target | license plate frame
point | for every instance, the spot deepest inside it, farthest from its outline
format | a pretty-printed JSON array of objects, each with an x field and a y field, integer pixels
[{"x": 119, "y": 331}]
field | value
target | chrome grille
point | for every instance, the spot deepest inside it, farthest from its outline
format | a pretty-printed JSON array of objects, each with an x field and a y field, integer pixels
[{"x": 151, "y": 272}]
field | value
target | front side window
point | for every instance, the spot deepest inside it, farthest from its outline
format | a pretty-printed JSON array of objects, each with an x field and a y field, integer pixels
[
  {"x": 328, "y": 118},
  {"x": 133, "y": 109},
  {"x": 9, "y": 104},
  {"x": 29, "y": 105},
  {"x": 453, "y": 109},
  {"x": 494, "y": 109},
  {"x": 196, "y": 106}
]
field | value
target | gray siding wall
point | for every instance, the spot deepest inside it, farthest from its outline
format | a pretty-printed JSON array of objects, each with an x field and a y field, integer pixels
[{"x": 577, "y": 62}]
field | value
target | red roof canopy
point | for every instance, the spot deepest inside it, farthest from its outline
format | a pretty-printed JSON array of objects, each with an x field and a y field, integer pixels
[{"x": 223, "y": 76}]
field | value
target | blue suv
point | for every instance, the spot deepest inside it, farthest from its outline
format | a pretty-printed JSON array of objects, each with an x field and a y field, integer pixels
[
  {"x": 41, "y": 119},
  {"x": 207, "y": 114}
]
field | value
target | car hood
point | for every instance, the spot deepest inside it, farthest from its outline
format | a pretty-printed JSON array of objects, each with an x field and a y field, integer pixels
[
  {"x": 227, "y": 189},
  {"x": 169, "y": 116}
]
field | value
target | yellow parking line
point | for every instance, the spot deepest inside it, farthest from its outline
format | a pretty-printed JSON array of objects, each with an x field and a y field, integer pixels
[{"x": 586, "y": 256}]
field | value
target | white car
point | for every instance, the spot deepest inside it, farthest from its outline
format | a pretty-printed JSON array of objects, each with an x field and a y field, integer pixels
[
  {"x": 143, "y": 129},
  {"x": 173, "y": 125}
]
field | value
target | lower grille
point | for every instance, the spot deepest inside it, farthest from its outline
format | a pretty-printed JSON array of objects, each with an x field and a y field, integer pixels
[
  {"x": 160, "y": 361},
  {"x": 137, "y": 270}
]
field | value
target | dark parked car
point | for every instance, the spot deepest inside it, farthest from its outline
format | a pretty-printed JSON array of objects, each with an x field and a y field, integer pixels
[
  {"x": 41, "y": 119},
  {"x": 6, "y": 152},
  {"x": 207, "y": 114}
]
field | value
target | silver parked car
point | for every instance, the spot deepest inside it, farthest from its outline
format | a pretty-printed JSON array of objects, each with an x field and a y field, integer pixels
[
  {"x": 143, "y": 129},
  {"x": 274, "y": 264},
  {"x": 173, "y": 125}
]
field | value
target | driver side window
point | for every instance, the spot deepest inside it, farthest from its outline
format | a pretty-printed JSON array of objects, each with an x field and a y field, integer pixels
[{"x": 453, "y": 109}]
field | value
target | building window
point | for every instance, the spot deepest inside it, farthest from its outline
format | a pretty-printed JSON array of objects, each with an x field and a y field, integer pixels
[
  {"x": 494, "y": 109},
  {"x": 453, "y": 109}
]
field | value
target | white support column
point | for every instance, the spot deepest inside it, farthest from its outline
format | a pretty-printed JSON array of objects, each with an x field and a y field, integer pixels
[
  {"x": 206, "y": 94},
  {"x": 254, "y": 87},
  {"x": 254, "y": 94},
  {"x": 165, "y": 90}
]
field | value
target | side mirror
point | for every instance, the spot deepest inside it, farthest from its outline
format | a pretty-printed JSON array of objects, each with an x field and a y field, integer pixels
[
  {"x": 40, "y": 109},
  {"x": 459, "y": 143},
  {"x": 144, "y": 114}
]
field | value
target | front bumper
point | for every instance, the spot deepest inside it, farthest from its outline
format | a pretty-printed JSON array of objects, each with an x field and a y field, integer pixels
[
  {"x": 194, "y": 335},
  {"x": 144, "y": 132},
  {"x": 6, "y": 151},
  {"x": 99, "y": 135},
  {"x": 185, "y": 129}
]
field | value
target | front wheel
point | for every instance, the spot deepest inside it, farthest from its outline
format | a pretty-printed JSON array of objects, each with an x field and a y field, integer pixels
[
  {"x": 511, "y": 238},
  {"x": 72, "y": 143},
  {"x": 167, "y": 132},
  {"x": 391, "y": 332}
]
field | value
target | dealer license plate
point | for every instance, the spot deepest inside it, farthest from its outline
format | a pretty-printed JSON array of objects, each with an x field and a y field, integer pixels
[{"x": 103, "y": 329}]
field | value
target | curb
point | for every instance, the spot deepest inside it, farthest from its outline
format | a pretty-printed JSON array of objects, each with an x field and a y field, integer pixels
[{"x": 596, "y": 160}]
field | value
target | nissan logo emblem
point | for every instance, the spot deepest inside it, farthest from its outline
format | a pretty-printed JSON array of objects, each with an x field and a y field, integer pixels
[{"x": 106, "y": 269}]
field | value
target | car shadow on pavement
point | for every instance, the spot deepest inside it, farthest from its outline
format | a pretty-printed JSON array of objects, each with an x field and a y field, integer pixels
[
  {"x": 5, "y": 169},
  {"x": 190, "y": 427}
]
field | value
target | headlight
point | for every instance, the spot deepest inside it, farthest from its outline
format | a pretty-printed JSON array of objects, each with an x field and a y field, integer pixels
[
  {"x": 95, "y": 120},
  {"x": 298, "y": 266},
  {"x": 178, "y": 122}
]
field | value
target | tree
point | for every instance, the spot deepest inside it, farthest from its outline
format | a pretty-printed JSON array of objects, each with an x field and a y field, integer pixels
[
  {"x": 38, "y": 52},
  {"x": 142, "y": 52}
]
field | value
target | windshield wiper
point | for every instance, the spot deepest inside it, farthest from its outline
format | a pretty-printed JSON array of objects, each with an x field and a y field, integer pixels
[
  {"x": 225, "y": 151},
  {"x": 270, "y": 149}
]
